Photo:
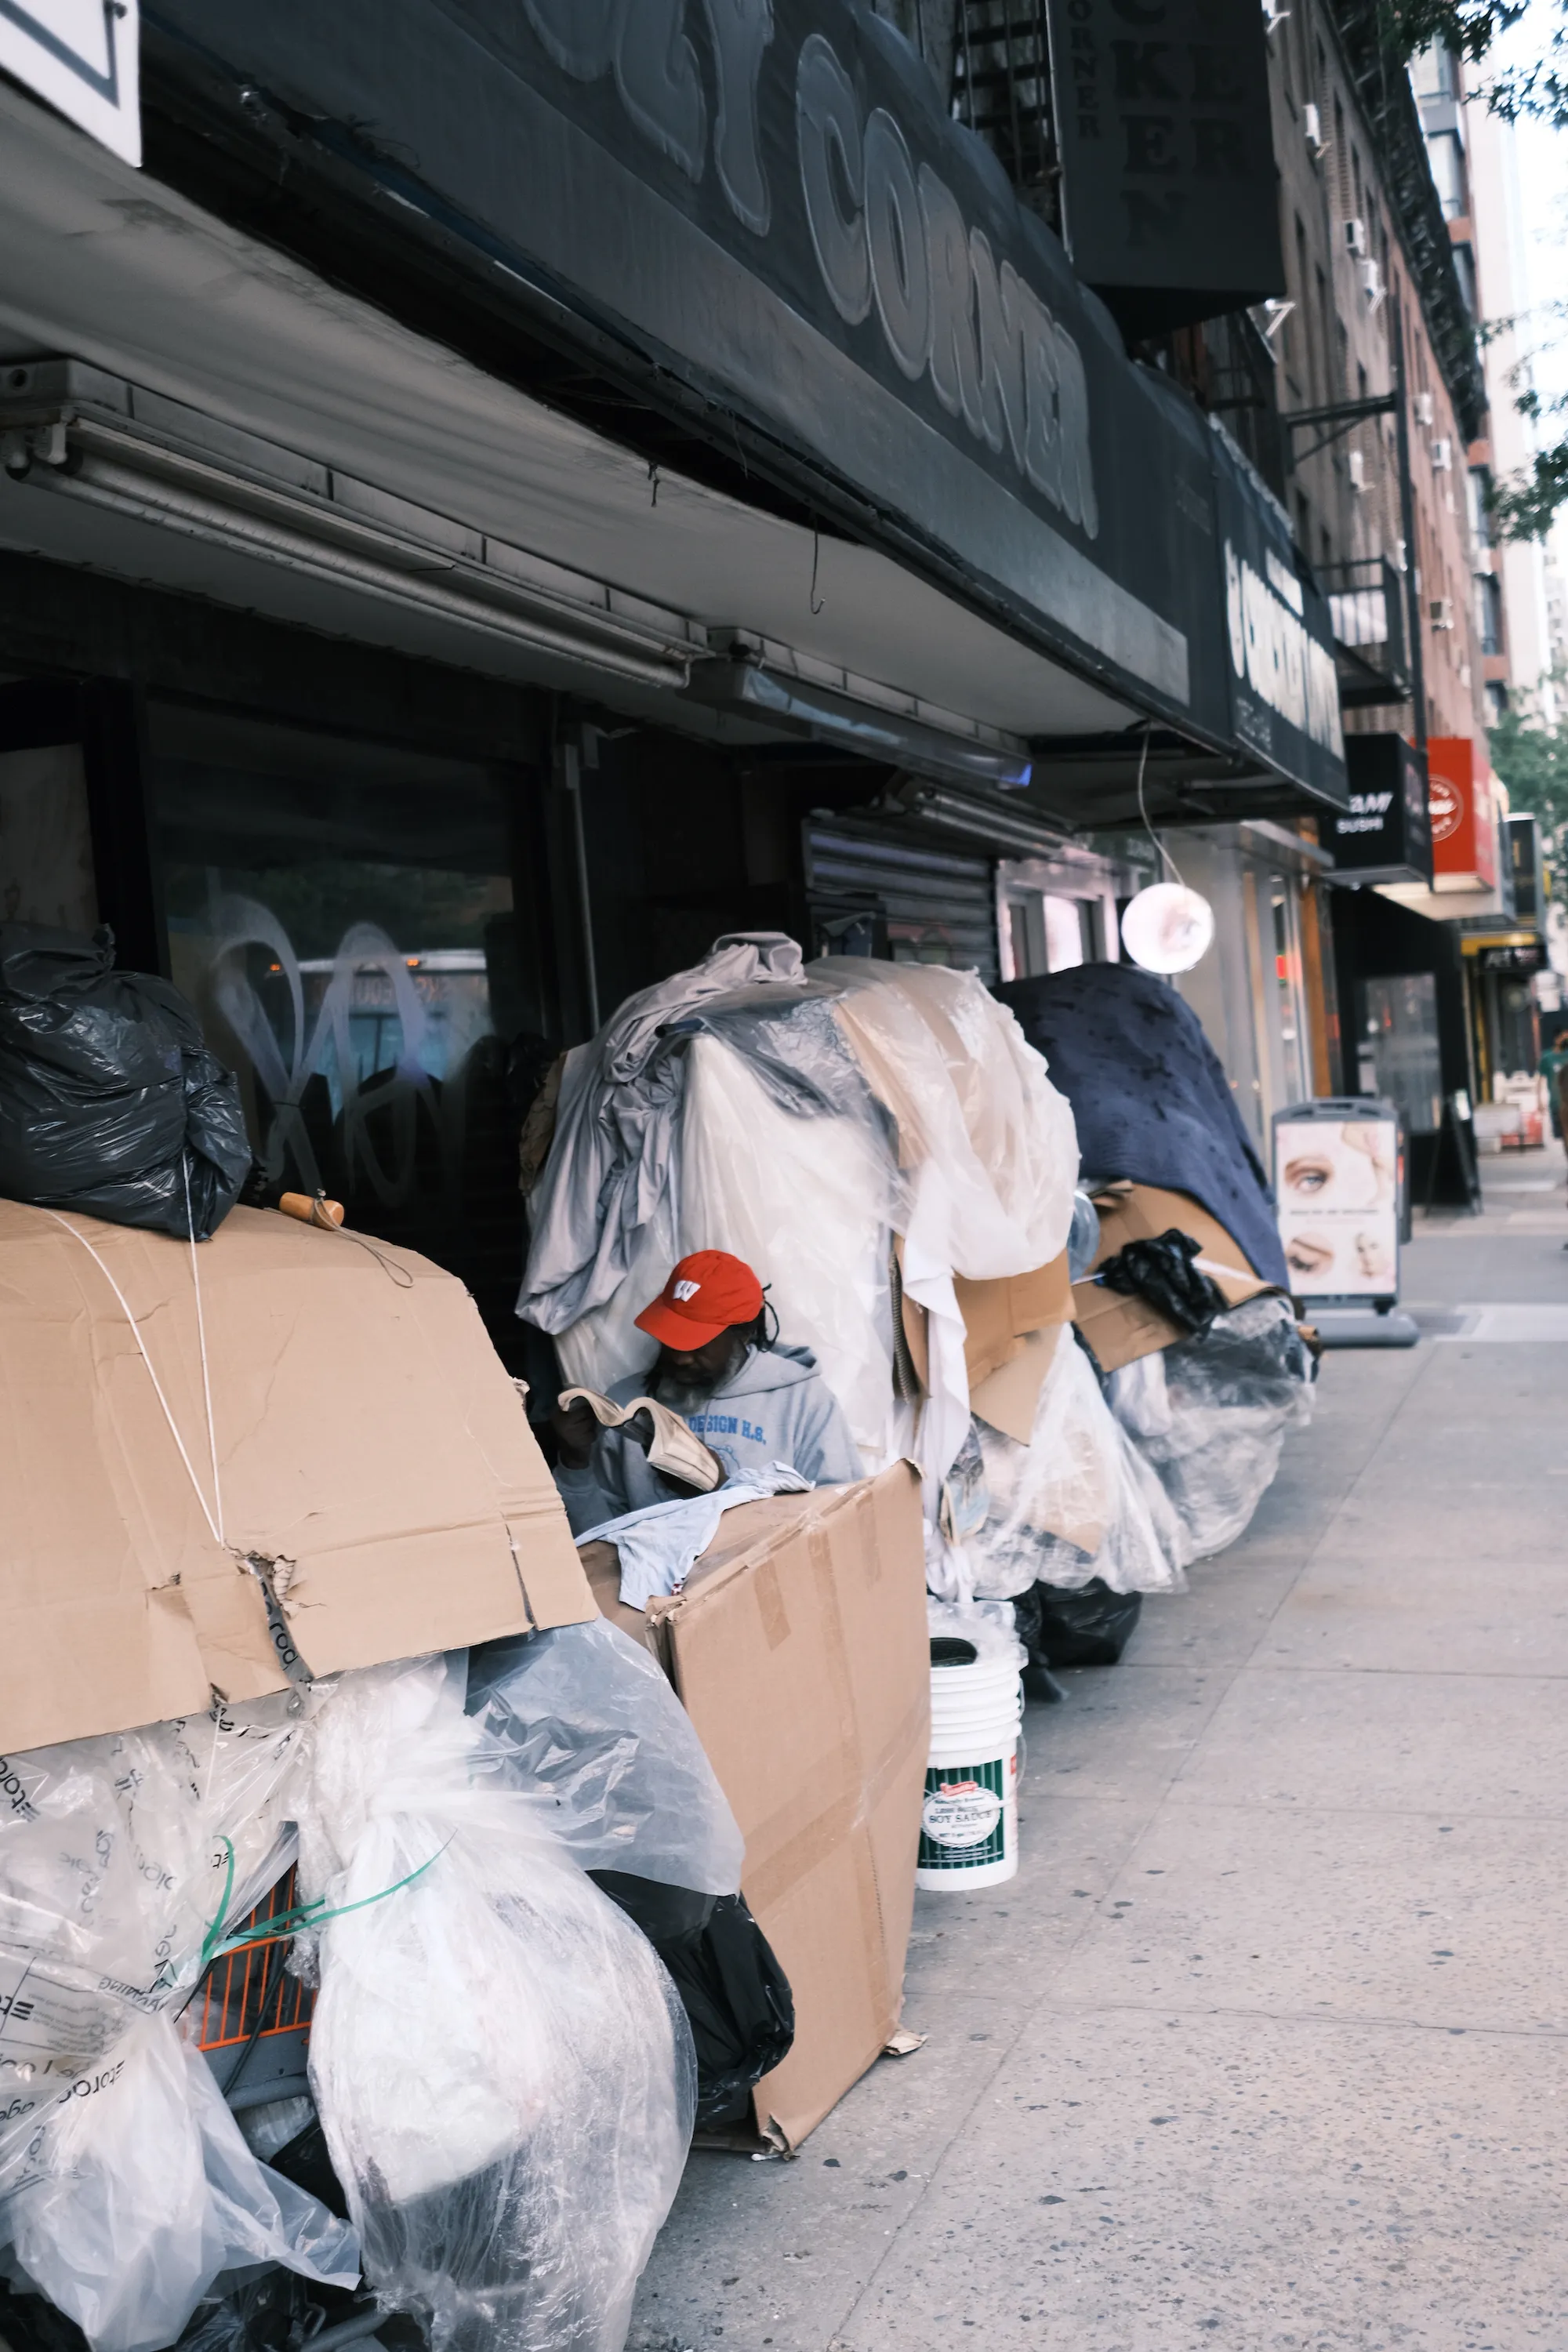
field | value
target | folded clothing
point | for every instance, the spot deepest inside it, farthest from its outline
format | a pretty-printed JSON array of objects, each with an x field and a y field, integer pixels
[{"x": 659, "y": 1546}]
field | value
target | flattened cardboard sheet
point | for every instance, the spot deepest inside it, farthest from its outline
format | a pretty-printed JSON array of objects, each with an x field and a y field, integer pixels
[
  {"x": 366, "y": 1447},
  {"x": 799, "y": 1648},
  {"x": 1120, "y": 1329}
]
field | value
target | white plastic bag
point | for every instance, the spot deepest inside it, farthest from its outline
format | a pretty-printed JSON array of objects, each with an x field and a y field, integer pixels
[
  {"x": 584, "y": 1725},
  {"x": 1079, "y": 1501},
  {"x": 136, "y": 2190},
  {"x": 502, "y": 2069}
]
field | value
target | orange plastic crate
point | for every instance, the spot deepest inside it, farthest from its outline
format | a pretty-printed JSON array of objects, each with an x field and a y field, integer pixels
[{"x": 229, "y": 1999}]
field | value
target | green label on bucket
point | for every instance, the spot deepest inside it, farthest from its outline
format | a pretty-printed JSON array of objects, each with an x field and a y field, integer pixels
[{"x": 961, "y": 1821}]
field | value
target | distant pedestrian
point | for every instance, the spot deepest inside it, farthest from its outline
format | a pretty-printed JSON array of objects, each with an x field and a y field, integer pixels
[{"x": 1554, "y": 1070}]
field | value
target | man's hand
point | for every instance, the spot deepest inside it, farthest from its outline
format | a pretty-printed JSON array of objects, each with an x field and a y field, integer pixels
[{"x": 575, "y": 1428}]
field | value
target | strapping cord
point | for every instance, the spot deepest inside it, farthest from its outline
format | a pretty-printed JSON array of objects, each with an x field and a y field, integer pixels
[
  {"x": 151, "y": 1370},
  {"x": 299, "y": 1918},
  {"x": 201, "y": 1342}
]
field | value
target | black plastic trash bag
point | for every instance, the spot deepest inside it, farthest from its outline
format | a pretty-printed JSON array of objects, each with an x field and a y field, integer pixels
[
  {"x": 734, "y": 1993},
  {"x": 110, "y": 1101},
  {"x": 1164, "y": 1272},
  {"x": 1089, "y": 1627}
]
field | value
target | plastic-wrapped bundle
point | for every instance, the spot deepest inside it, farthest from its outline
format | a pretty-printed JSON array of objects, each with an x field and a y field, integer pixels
[
  {"x": 808, "y": 1202},
  {"x": 585, "y": 1727},
  {"x": 141, "y": 2190},
  {"x": 125, "y": 2186},
  {"x": 1209, "y": 1416},
  {"x": 1078, "y": 1502},
  {"x": 502, "y": 2069},
  {"x": 140, "y": 1818},
  {"x": 970, "y": 1099}
]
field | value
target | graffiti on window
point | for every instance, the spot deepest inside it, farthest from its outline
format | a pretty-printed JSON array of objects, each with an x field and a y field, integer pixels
[{"x": 359, "y": 1063}]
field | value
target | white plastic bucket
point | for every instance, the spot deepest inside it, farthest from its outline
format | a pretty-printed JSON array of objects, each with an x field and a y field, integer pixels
[{"x": 969, "y": 1821}]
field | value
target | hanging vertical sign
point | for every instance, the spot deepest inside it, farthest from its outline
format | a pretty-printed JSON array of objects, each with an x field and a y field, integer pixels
[
  {"x": 81, "y": 56},
  {"x": 1170, "y": 197}
]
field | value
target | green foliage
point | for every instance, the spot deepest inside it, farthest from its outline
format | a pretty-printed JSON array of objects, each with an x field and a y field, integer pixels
[
  {"x": 1531, "y": 761},
  {"x": 1526, "y": 507}
]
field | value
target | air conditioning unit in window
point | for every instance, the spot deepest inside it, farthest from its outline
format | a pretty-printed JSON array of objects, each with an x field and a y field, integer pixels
[
  {"x": 1312, "y": 123},
  {"x": 1441, "y": 612},
  {"x": 1357, "y": 471},
  {"x": 1356, "y": 237},
  {"x": 1371, "y": 283},
  {"x": 1442, "y": 455},
  {"x": 1424, "y": 409}
]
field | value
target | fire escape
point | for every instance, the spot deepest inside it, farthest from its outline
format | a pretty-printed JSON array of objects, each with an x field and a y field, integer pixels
[{"x": 1002, "y": 88}]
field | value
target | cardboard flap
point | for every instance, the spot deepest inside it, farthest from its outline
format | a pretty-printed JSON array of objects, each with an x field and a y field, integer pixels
[
  {"x": 1006, "y": 1400},
  {"x": 1120, "y": 1329},
  {"x": 365, "y": 1440},
  {"x": 998, "y": 1316}
]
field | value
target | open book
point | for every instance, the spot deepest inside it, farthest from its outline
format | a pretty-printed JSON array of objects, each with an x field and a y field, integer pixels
[{"x": 676, "y": 1450}]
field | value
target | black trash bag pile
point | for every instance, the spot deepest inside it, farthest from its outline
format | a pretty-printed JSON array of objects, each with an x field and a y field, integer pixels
[
  {"x": 1087, "y": 1626},
  {"x": 736, "y": 1997},
  {"x": 1164, "y": 1272},
  {"x": 109, "y": 1100}
]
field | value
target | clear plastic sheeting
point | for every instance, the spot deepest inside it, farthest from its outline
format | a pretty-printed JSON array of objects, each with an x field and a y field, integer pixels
[
  {"x": 142, "y": 2190},
  {"x": 610, "y": 1166},
  {"x": 124, "y": 2186},
  {"x": 170, "y": 1827},
  {"x": 1214, "y": 1437},
  {"x": 502, "y": 2069},
  {"x": 1078, "y": 1502},
  {"x": 584, "y": 1725},
  {"x": 968, "y": 1098},
  {"x": 808, "y": 1201},
  {"x": 989, "y": 1626}
]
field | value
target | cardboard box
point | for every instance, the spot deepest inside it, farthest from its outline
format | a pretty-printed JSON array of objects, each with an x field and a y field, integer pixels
[
  {"x": 374, "y": 1468},
  {"x": 1120, "y": 1329},
  {"x": 800, "y": 1651}
]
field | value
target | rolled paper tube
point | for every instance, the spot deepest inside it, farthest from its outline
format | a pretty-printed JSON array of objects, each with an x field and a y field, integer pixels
[{"x": 312, "y": 1212}]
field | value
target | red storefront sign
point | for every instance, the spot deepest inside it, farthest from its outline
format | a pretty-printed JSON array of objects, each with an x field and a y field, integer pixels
[{"x": 1464, "y": 819}]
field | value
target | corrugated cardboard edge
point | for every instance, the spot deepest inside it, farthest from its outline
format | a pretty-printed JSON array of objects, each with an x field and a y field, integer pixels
[
  {"x": 1119, "y": 1329},
  {"x": 777, "y": 2126}
]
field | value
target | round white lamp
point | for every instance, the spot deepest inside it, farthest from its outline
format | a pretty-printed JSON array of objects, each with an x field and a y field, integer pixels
[{"x": 1167, "y": 927}]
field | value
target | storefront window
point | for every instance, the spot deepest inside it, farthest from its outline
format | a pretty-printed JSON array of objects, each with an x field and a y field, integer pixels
[{"x": 344, "y": 916}]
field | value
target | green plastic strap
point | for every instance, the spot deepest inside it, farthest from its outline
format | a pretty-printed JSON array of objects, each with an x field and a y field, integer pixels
[{"x": 298, "y": 1917}]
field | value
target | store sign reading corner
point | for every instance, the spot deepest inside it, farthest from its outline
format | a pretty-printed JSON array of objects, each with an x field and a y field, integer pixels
[{"x": 81, "y": 56}]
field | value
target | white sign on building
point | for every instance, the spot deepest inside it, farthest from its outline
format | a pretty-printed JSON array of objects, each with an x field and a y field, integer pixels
[{"x": 81, "y": 56}]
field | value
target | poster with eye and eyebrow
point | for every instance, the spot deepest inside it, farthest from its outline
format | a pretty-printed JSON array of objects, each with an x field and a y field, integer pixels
[{"x": 1336, "y": 1184}]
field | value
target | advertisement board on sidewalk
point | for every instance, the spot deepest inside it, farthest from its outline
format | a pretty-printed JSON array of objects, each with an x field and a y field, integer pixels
[{"x": 1337, "y": 1182}]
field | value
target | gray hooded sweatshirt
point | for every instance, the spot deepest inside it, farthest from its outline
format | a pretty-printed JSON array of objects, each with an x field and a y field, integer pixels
[{"x": 774, "y": 1407}]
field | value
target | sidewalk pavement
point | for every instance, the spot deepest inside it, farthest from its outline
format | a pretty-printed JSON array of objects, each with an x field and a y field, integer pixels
[{"x": 1267, "y": 2045}]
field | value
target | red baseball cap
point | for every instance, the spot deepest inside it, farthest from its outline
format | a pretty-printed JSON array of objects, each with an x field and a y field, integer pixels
[{"x": 707, "y": 1292}]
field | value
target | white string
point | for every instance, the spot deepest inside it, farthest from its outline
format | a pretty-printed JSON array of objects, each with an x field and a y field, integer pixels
[
  {"x": 202, "y": 1341},
  {"x": 157, "y": 1384},
  {"x": 1143, "y": 763}
]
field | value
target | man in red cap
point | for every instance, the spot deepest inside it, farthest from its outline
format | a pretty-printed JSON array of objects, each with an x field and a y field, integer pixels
[{"x": 753, "y": 1400}]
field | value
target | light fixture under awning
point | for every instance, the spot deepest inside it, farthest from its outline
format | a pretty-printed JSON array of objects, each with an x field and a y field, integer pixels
[
  {"x": 749, "y": 690},
  {"x": 238, "y": 493}
]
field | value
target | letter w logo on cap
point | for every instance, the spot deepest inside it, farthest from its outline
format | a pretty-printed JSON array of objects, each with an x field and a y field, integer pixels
[{"x": 685, "y": 1290}]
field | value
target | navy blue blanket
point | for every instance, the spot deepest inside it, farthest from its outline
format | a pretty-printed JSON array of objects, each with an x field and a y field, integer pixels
[{"x": 1149, "y": 1094}]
